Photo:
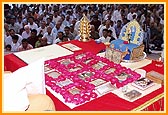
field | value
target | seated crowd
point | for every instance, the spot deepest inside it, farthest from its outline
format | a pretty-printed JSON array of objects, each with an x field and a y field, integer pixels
[{"x": 28, "y": 26}]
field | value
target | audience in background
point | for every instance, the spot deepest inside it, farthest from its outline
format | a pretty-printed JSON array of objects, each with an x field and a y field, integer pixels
[{"x": 50, "y": 20}]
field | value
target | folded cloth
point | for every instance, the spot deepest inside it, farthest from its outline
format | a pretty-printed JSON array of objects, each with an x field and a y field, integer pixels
[{"x": 17, "y": 85}]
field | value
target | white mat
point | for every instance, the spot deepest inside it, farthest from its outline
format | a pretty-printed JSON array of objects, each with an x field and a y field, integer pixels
[{"x": 48, "y": 52}]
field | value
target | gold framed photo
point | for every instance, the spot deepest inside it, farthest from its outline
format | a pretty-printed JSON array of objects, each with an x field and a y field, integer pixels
[
  {"x": 116, "y": 56},
  {"x": 109, "y": 53}
]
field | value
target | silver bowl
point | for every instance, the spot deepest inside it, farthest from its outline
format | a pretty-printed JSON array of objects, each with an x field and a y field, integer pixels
[{"x": 136, "y": 60}]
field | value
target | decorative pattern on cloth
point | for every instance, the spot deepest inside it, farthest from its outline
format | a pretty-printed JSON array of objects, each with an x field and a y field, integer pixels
[
  {"x": 131, "y": 38},
  {"x": 132, "y": 31}
]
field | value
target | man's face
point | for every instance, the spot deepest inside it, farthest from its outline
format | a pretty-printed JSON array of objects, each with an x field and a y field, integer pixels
[
  {"x": 12, "y": 21},
  {"x": 12, "y": 33},
  {"x": 33, "y": 34},
  {"x": 49, "y": 30},
  {"x": 66, "y": 31},
  {"x": 14, "y": 40},
  {"x": 105, "y": 33},
  {"x": 60, "y": 35},
  {"x": 30, "y": 20},
  {"x": 24, "y": 44}
]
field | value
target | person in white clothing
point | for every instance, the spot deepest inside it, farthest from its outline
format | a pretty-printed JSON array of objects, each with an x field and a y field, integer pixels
[
  {"x": 131, "y": 15},
  {"x": 20, "y": 23},
  {"x": 42, "y": 29},
  {"x": 105, "y": 38},
  {"x": 27, "y": 32},
  {"x": 8, "y": 40},
  {"x": 57, "y": 28},
  {"x": 25, "y": 46},
  {"x": 59, "y": 38},
  {"x": 49, "y": 35},
  {"x": 56, "y": 17},
  {"x": 117, "y": 14},
  {"x": 15, "y": 44},
  {"x": 108, "y": 27},
  {"x": 32, "y": 24},
  {"x": 13, "y": 24}
]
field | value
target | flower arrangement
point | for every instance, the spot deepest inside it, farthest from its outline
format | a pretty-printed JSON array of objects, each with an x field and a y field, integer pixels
[{"x": 76, "y": 72}]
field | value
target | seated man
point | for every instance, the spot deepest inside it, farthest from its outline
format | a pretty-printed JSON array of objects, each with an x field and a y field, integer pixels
[
  {"x": 105, "y": 38},
  {"x": 25, "y": 46}
]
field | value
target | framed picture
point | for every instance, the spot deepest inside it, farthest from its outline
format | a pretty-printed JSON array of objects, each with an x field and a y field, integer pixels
[
  {"x": 143, "y": 83},
  {"x": 110, "y": 70},
  {"x": 116, "y": 56},
  {"x": 47, "y": 68},
  {"x": 109, "y": 53},
  {"x": 75, "y": 69},
  {"x": 122, "y": 76},
  {"x": 54, "y": 74},
  {"x": 133, "y": 94},
  {"x": 86, "y": 74},
  {"x": 64, "y": 83},
  {"x": 98, "y": 65},
  {"x": 155, "y": 77},
  {"x": 71, "y": 47},
  {"x": 74, "y": 91},
  {"x": 80, "y": 56},
  {"x": 65, "y": 61},
  {"x": 88, "y": 60},
  {"x": 98, "y": 82}
]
